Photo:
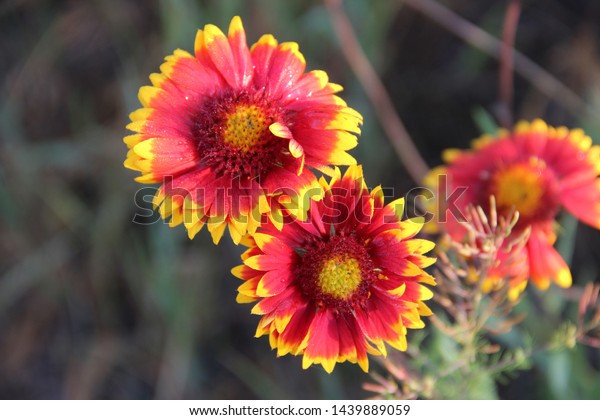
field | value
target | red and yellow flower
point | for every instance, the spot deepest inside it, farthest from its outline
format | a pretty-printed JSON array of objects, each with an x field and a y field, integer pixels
[
  {"x": 535, "y": 170},
  {"x": 342, "y": 283},
  {"x": 230, "y": 132}
]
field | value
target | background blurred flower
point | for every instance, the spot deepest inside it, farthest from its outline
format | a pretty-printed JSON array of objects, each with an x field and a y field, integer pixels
[
  {"x": 343, "y": 283},
  {"x": 535, "y": 170},
  {"x": 229, "y": 128}
]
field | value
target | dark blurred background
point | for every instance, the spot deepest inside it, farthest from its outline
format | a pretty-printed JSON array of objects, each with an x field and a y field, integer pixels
[{"x": 93, "y": 305}]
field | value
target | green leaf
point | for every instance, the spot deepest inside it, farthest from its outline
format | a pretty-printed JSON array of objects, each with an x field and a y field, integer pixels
[
  {"x": 482, "y": 387},
  {"x": 484, "y": 121}
]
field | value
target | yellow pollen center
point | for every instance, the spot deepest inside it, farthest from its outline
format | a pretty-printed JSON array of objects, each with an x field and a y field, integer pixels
[
  {"x": 340, "y": 277},
  {"x": 245, "y": 127},
  {"x": 519, "y": 186}
]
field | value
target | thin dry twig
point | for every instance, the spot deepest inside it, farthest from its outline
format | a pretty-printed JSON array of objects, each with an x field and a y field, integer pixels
[
  {"x": 588, "y": 320},
  {"x": 505, "y": 86},
  {"x": 375, "y": 90},
  {"x": 480, "y": 39}
]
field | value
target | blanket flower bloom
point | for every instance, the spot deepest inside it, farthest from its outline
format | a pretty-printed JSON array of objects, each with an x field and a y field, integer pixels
[
  {"x": 342, "y": 283},
  {"x": 230, "y": 131},
  {"x": 535, "y": 170}
]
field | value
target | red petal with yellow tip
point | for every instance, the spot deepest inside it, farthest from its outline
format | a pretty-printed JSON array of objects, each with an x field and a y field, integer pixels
[
  {"x": 226, "y": 131},
  {"x": 331, "y": 290}
]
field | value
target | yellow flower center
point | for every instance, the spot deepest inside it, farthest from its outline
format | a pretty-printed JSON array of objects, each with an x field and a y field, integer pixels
[
  {"x": 340, "y": 277},
  {"x": 519, "y": 186},
  {"x": 245, "y": 127}
]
